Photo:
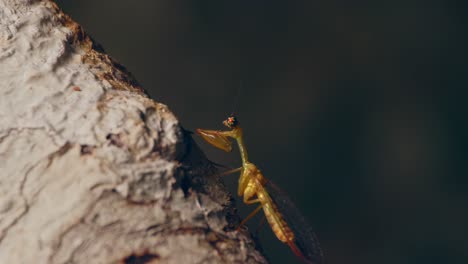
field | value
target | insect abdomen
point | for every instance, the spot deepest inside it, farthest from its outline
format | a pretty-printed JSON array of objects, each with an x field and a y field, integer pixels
[{"x": 277, "y": 223}]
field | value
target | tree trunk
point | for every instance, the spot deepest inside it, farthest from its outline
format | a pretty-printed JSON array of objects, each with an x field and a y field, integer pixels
[{"x": 91, "y": 169}]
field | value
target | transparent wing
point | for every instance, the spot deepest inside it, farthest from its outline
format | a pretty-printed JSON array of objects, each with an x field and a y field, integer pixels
[{"x": 305, "y": 239}]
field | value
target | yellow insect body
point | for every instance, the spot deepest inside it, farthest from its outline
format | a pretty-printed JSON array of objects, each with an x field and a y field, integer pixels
[
  {"x": 252, "y": 187},
  {"x": 255, "y": 182}
]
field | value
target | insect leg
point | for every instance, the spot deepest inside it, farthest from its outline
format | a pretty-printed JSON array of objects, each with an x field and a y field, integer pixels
[
  {"x": 249, "y": 216},
  {"x": 229, "y": 172},
  {"x": 216, "y": 138},
  {"x": 260, "y": 225}
]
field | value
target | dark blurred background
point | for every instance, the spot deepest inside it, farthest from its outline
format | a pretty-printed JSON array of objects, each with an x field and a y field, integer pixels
[{"x": 356, "y": 109}]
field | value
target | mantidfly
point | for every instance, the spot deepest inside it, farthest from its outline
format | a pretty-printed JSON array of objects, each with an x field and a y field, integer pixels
[{"x": 252, "y": 186}]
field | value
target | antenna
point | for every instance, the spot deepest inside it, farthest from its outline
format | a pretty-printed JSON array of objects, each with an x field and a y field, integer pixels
[{"x": 236, "y": 98}]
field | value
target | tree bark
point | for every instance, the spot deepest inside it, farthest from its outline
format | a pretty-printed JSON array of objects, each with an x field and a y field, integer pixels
[{"x": 91, "y": 169}]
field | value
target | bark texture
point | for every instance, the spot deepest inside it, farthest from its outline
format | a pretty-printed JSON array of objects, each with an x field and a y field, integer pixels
[{"x": 91, "y": 169}]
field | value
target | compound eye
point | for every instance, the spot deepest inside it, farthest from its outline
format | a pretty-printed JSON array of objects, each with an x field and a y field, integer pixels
[{"x": 232, "y": 121}]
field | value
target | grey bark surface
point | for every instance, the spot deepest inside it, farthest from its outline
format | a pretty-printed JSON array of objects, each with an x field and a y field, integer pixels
[{"x": 91, "y": 169}]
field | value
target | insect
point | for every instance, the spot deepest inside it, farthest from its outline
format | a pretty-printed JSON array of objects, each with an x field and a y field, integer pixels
[{"x": 252, "y": 187}]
